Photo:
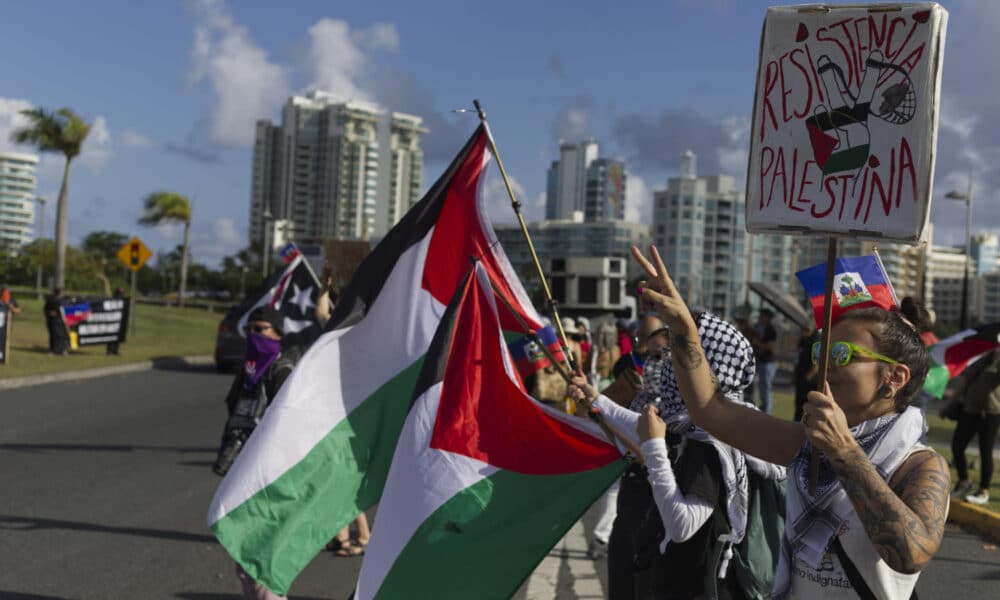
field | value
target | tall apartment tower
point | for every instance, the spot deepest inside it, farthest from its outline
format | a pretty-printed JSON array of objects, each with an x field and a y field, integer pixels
[
  {"x": 335, "y": 169},
  {"x": 580, "y": 181},
  {"x": 698, "y": 226},
  {"x": 17, "y": 199}
]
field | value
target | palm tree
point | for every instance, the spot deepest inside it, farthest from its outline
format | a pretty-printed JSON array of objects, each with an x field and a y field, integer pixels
[
  {"x": 171, "y": 207},
  {"x": 61, "y": 131}
]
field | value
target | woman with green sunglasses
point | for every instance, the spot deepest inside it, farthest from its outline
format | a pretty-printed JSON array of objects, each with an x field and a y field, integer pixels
[{"x": 877, "y": 516}]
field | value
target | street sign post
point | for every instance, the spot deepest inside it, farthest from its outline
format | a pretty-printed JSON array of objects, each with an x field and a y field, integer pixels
[{"x": 133, "y": 255}]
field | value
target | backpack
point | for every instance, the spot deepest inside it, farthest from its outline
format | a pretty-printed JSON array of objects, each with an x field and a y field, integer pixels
[{"x": 755, "y": 559}]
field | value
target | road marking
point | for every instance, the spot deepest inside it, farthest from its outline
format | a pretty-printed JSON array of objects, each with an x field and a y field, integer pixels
[{"x": 544, "y": 582}]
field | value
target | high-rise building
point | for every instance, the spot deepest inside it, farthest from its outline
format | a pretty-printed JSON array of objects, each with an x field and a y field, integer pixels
[
  {"x": 568, "y": 238},
  {"x": 699, "y": 229},
  {"x": 335, "y": 169},
  {"x": 986, "y": 253},
  {"x": 947, "y": 271},
  {"x": 581, "y": 182},
  {"x": 17, "y": 199}
]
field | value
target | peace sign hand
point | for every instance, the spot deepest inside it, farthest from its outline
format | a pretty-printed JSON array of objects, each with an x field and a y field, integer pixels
[{"x": 660, "y": 293}]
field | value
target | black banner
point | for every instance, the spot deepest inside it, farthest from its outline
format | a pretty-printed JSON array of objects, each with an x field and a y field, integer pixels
[
  {"x": 4, "y": 332},
  {"x": 96, "y": 320}
]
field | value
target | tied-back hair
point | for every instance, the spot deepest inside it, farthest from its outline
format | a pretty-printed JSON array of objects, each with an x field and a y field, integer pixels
[
  {"x": 607, "y": 336},
  {"x": 898, "y": 340}
]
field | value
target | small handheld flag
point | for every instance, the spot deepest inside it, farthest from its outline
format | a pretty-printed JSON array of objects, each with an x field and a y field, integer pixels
[
  {"x": 859, "y": 282},
  {"x": 289, "y": 252},
  {"x": 529, "y": 356}
]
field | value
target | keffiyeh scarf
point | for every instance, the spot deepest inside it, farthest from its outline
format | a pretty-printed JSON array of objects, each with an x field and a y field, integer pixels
[
  {"x": 813, "y": 521},
  {"x": 730, "y": 357}
]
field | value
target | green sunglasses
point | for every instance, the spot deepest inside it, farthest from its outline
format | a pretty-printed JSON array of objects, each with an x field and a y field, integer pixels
[{"x": 841, "y": 353}]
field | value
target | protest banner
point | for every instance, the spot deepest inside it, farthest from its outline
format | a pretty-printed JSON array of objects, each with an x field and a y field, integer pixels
[
  {"x": 845, "y": 120},
  {"x": 96, "y": 320},
  {"x": 4, "y": 333},
  {"x": 844, "y": 129}
]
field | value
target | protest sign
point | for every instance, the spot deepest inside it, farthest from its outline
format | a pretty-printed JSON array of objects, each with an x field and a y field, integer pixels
[
  {"x": 845, "y": 120},
  {"x": 96, "y": 321},
  {"x": 4, "y": 333}
]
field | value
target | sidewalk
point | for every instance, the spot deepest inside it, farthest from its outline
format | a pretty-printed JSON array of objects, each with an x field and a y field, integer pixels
[{"x": 184, "y": 362}]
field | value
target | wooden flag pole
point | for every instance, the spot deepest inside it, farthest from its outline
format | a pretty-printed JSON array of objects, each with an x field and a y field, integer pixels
[
  {"x": 531, "y": 247},
  {"x": 824, "y": 349},
  {"x": 610, "y": 432}
]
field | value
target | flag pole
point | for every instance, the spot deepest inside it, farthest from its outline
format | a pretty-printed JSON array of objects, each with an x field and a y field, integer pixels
[
  {"x": 612, "y": 434},
  {"x": 824, "y": 349},
  {"x": 516, "y": 205}
]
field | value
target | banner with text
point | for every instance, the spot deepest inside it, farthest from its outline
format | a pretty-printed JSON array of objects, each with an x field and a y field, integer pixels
[
  {"x": 4, "y": 333},
  {"x": 96, "y": 320},
  {"x": 845, "y": 120}
]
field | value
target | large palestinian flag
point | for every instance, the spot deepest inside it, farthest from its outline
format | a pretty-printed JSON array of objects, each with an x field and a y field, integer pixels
[
  {"x": 485, "y": 479},
  {"x": 321, "y": 454},
  {"x": 951, "y": 356}
]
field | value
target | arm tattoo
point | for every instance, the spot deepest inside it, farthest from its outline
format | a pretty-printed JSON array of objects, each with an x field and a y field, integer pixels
[
  {"x": 905, "y": 522},
  {"x": 688, "y": 352}
]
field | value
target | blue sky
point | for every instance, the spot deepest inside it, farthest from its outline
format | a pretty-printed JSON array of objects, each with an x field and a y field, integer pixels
[{"x": 174, "y": 89}]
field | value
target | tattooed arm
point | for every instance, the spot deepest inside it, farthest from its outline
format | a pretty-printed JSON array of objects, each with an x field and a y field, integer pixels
[
  {"x": 905, "y": 518},
  {"x": 759, "y": 434}
]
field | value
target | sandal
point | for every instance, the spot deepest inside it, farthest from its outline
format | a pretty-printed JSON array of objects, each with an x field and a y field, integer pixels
[{"x": 349, "y": 548}]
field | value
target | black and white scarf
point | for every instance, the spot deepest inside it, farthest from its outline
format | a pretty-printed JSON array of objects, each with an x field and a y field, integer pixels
[
  {"x": 730, "y": 357},
  {"x": 813, "y": 521}
]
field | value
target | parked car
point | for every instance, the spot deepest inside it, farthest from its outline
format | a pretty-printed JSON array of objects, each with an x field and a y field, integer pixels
[{"x": 230, "y": 345}]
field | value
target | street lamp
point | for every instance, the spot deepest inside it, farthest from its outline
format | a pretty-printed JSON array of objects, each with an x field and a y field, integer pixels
[
  {"x": 265, "y": 251},
  {"x": 967, "y": 198},
  {"x": 41, "y": 232}
]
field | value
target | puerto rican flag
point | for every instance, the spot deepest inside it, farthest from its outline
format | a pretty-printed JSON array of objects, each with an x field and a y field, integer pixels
[{"x": 859, "y": 282}]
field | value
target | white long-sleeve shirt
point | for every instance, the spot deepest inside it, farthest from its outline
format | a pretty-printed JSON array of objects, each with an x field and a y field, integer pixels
[{"x": 682, "y": 517}]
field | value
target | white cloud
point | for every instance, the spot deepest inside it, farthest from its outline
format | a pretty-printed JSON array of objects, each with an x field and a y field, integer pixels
[
  {"x": 337, "y": 58},
  {"x": 572, "y": 124},
  {"x": 734, "y": 155},
  {"x": 497, "y": 201},
  {"x": 246, "y": 85},
  {"x": 131, "y": 138},
  {"x": 11, "y": 119},
  {"x": 638, "y": 200},
  {"x": 224, "y": 230},
  {"x": 97, "y": 147}
]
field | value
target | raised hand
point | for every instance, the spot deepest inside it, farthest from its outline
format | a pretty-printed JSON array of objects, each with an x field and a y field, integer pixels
[
  {"x": 660, "y": 292},
  {"x": 825, "y": 423},
  {"x": 651, "y": 426},
  {"x": 581, "y": 391}
]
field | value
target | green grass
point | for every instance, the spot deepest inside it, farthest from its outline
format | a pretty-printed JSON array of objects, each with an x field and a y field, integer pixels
[
  {"x": 939, "y": 432},
  {"x": 160, "y": 332}
]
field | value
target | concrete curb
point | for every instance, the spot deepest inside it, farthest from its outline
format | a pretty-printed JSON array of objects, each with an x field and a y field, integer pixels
[
  {"x": 164, "y": 363},
  {"x": 982, "y": 521}
]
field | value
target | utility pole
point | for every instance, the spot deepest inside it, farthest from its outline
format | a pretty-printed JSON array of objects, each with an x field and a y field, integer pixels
[{"x": 41, "y": 233}]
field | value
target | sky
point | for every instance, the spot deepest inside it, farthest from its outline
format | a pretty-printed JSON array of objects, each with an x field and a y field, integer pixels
[{"x": 173, "y": 89}]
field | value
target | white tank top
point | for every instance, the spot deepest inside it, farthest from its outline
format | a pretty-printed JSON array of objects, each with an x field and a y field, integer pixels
[{"x": 830, "y": 581}]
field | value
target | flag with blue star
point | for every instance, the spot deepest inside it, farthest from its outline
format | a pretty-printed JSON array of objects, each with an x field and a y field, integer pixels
[{"x": 293, "y": 291}]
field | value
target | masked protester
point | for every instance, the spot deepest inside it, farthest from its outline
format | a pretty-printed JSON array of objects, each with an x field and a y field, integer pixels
[{"x": 265, "y": 368}]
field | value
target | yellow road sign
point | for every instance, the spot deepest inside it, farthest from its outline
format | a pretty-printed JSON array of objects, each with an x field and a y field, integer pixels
[{"x": 134, "y": 254}]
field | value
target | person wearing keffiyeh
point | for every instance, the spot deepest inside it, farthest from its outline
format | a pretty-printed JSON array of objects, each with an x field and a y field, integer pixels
[
  {"x": 691, "y": 474},
  {"x": 878, "y": 513}
]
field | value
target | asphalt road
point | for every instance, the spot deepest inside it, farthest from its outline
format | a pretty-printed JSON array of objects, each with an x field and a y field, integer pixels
[{"x": 105, "y": 483}]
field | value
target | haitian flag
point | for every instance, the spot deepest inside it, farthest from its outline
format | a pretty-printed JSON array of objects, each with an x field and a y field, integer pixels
[
  {"x": 952, "y": 355},
  {"x": 857, "y": 283},
  {"x": 485, "y": 479},
  {"x": 289, "y": 252},
  {"x": 528, "y": 355},
  {"x": 321, "y": 454},
  {"x": 75, "y": 313}
]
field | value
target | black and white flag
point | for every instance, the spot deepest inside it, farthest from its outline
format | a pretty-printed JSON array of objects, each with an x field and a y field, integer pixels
[{"x": 293, "y": 292}]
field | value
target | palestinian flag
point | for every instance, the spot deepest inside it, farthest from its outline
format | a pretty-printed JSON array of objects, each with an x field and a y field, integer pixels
[
  {"x": 322, "y": 451},
  {"x": 859, "y": 282},
  {"x": 485, "y": 479},
  {"x": 951, "y": 356}
]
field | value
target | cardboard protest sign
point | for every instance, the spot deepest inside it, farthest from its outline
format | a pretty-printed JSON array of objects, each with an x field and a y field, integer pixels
[
  {"x": 845, "y": 120},
  {"x": 4, "y": 333}
]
